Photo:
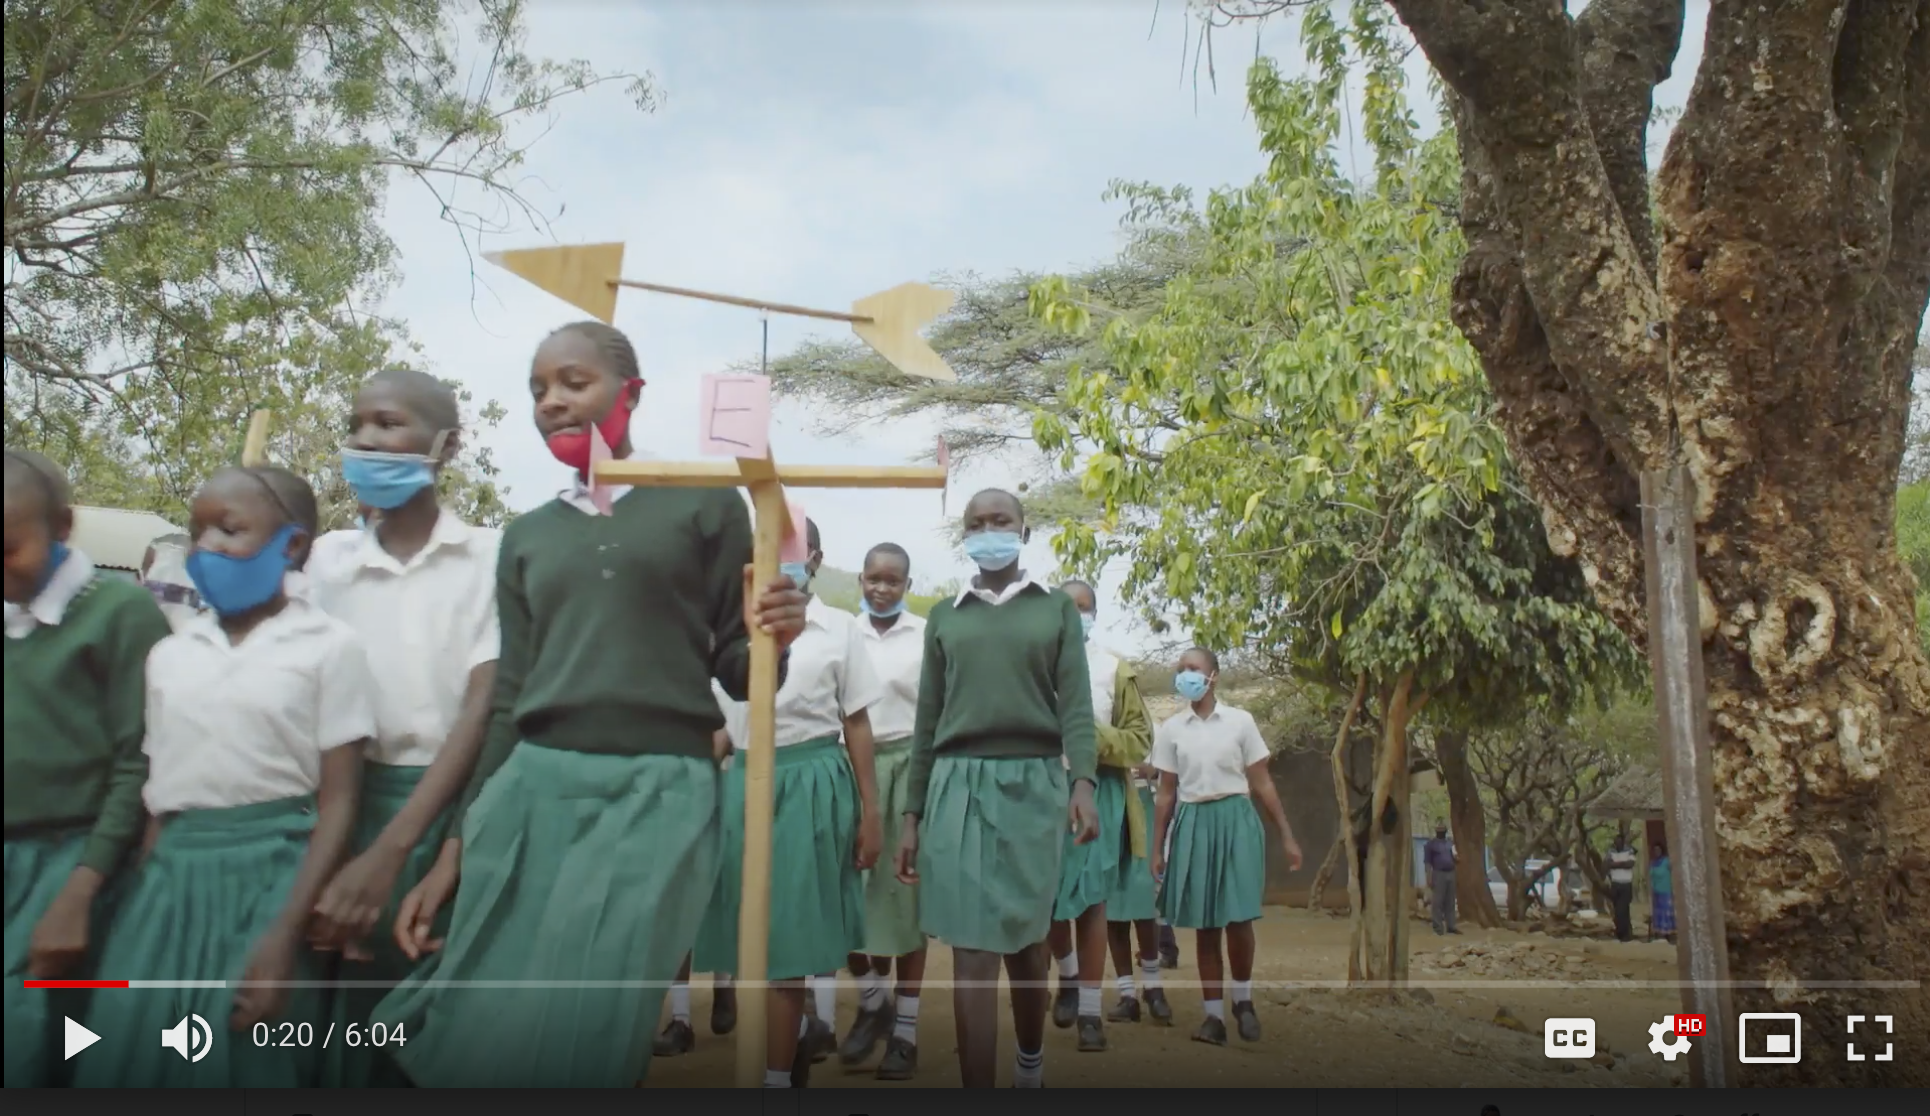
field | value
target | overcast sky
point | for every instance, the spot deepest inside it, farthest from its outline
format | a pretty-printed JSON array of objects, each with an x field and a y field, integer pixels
[{"x": 814, "y": 153}]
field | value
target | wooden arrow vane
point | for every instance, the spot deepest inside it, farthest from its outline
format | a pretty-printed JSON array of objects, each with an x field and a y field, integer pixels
[{"x": 587, "y": 276}]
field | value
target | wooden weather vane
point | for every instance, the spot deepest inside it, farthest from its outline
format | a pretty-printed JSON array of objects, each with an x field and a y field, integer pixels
[{"x": 734, "y": 428}]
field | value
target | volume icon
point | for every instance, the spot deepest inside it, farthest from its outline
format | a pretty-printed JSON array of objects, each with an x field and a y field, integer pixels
[{"x": 191, "y": 1038}]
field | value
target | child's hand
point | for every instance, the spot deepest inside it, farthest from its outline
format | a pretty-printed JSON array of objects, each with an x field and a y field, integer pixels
[
  {"x": 60, "y": 937},
  {"x": 352, "y": 902},
  {"x": 908, "y": 852},
  {"x": 1292, "y": 848},
  {"x": 262, "y": 995},
  {"x": 1159, "y": 866},
  {"x": 415, "y": 919},
  {"x": 1082, "y": 815},
  {"x": 871, "y": 839},
  {"x": 779, "y": 609}
]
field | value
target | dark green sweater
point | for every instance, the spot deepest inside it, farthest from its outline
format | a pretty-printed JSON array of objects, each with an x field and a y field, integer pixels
[
  {"x": 76, "y": 695},
  {"x": 613, "y": 626},
  {"x": 1003, "y": 680}
]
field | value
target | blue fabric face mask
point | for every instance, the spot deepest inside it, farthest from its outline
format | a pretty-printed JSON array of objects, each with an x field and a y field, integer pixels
[
  {"x": 232, "y": 586},
  {"x": 1190, "y": 684},
  {"x": 57, "y": 554},
  {"x": 994, "y": 550},
  {"x": 386, "y": 480},
  {"x": 799, "y": 573},
  {"x": 1086, "y": 621},
  {"x": 864, "y": 604}
]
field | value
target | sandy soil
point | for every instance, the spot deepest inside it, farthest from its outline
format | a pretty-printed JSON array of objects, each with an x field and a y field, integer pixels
[{"x": 1444, "y": 1036}]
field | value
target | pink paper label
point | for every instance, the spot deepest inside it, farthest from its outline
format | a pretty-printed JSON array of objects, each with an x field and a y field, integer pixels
[{"x": 734, "y": 415}]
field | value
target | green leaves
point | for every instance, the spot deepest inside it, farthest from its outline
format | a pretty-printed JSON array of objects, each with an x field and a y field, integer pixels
[{"x": 1293, "y": 447}]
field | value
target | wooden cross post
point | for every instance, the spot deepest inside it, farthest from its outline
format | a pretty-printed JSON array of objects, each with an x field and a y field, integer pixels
[
  {"x": 734, "y": 422},
  {"x": 1688, "y": 775},
  {"x": 254, "y": 449}
]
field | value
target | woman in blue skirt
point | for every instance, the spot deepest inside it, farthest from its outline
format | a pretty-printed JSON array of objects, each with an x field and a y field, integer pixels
[
  {"x": 825, "y": 829},
  {"x": 256, "y": 719},
  {"x": 1212, "y": 868}
]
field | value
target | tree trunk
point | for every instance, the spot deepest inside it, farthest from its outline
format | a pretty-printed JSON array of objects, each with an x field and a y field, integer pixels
[
  {"x": 1470, "y": 828},
  {"x": 1336, "y": 853},
  {"x": 1356, "y": 876},
  {"x": 1767, "y": 344},
  {"x": 1380, "y": 930}
]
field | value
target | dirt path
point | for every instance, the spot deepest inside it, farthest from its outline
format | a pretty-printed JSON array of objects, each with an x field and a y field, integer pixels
[{"x": 1323, "y": 1037}]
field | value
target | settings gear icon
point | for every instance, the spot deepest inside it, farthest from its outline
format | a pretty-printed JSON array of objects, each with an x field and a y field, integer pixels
[{"x": 1664, "y": 1041}]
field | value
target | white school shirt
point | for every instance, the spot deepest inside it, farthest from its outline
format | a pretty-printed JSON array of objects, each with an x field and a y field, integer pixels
[
  {"x": 898, "y": 659},
  {"x": 49, "y": 606},
  {"x": 829, "y": 677},
  {"x": 1024, "y": 582},
  {"x": 1102, "y": 670},
  {"x": 424, "y": 625},
  {"x": 235, "y": 725},
  {"x": 1209, "y": 754}
]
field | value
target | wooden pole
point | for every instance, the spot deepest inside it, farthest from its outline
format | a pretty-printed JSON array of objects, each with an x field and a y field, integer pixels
[
  {"x": 1688, "y": 775},
  {"x": 760, "y": 797},
  {"x": 751, "y": 303},
  {"x": 254, "y": 450}
]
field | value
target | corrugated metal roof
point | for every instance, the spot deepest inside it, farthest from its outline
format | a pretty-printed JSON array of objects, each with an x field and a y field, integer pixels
[{"x": 117, "y": 539}]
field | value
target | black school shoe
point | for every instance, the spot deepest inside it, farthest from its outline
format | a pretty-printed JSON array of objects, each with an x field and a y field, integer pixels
[
  {"x": 1169, "y": 957},
  {"x": 1065, "y": 1006},
  {"x": 867, "y": 1031},
  {"x": 1158, "y": 1008},
  {"x": 676, "y": 1039},
  {"x": 723, "y": 1011},
  {"x": 1092, "y": 1035},
  {"x": 813, "y": 1046},
  {"x": 900, "y": 1062},
  {"x": 1247, "y": 1020},
  {"x": 1125, "y": 1011},
  {"x": 1211, "y": 1031}
]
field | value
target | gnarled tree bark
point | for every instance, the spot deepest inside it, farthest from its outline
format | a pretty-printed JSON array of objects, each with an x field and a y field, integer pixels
[
  {"x": 1475, "y": 903},
  {"x": 1765, "y": 340}
]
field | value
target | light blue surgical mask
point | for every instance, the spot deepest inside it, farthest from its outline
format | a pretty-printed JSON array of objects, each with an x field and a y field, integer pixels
[
  {"x": 386, "y": 481},
  {"x": 1191, "y": 684},
  {"x": 799, "y": 573},
  {"x": 1086, "y": 621},
  {"x": 994, "y": 550},
  {"x": 864, "y": 604},
  {"x": 231, "y": 585}
]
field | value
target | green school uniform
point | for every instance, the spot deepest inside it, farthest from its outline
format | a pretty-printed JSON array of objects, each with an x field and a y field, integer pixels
[
  {"x": 1216, "y": 873},
  {"x": 1004, "y": 725},
  {"x": 591, "y": 829},
  {"x": 891, "y": 927},
  {"x": 1090, "y": 873},
  {"x": 74, "y": 719},
  {"x": 218, "y": 879},
  {"x": 1136, "y": 897}
]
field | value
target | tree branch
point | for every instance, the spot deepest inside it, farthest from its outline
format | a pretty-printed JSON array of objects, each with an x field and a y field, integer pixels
[{"x": 1627, "y": 49}]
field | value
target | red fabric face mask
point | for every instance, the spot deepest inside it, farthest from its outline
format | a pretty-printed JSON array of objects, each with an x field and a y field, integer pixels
[{"x": 572, "y": 447}]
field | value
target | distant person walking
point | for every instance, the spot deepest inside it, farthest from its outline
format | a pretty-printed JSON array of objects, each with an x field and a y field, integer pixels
[
  {"x": 1439, "y": 855},
  {"x": 1621, "y": 885},
  {"x": 1661, "y": 894}
]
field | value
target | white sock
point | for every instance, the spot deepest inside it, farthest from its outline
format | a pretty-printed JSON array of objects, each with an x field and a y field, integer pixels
[
  {"x": 680, "y": 1002},
  {"x": 722, "y": 980},
  {"x": 1242, "y": 991},
  {"x": 1069, "y": 966},
  {"x": 824, "y": 989},
  {"x": 1127, "y": 989},
  {"x": 1216, "y": 1009},
  {"x": 871, "y": 991},
  {"x": 777, "y": 1079},
  {"x": 1089, "y": 999},
  {"x": 1029, "y": 1073},
  {"x": 907, "y": 1025},
  {"x": 1149, "y": 973}
]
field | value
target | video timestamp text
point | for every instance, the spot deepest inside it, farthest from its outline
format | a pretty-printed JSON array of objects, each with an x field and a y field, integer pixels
[{"x": 291, "y": 1034}]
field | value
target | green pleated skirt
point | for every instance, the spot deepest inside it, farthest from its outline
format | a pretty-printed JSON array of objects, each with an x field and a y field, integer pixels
[
  {"x": 36, "y": 870},
  {"x": 385, "y": 790},
  {"x": 1135, "y": 898},
  {"x": 817, "y": 893},
  {"x": 584, "y": 879},
  {"x": 890, "y": 905},
  {"x": 1216, "y": 869},
  {"x": 216, "y": 882},
  {"x": 1090, "y": 872},
  {"x": 988, "y": 851}
]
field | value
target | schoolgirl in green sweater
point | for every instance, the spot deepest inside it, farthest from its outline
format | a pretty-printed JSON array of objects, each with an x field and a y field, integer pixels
[
  {"x": 76, "y": 648},
  {"x": 1004, "y": 724},
  {"x": 588, "y": 841}
]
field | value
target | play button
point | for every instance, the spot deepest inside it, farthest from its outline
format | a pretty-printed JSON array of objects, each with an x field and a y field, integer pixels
[{"x": 79, "y": 1038}]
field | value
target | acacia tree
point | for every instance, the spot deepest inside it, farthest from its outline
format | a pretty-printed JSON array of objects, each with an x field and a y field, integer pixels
[
  {"x": 1760, "y": 332},
  {"x": 193, "y": 199},
  {"x": 1330, "y": 491}
]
